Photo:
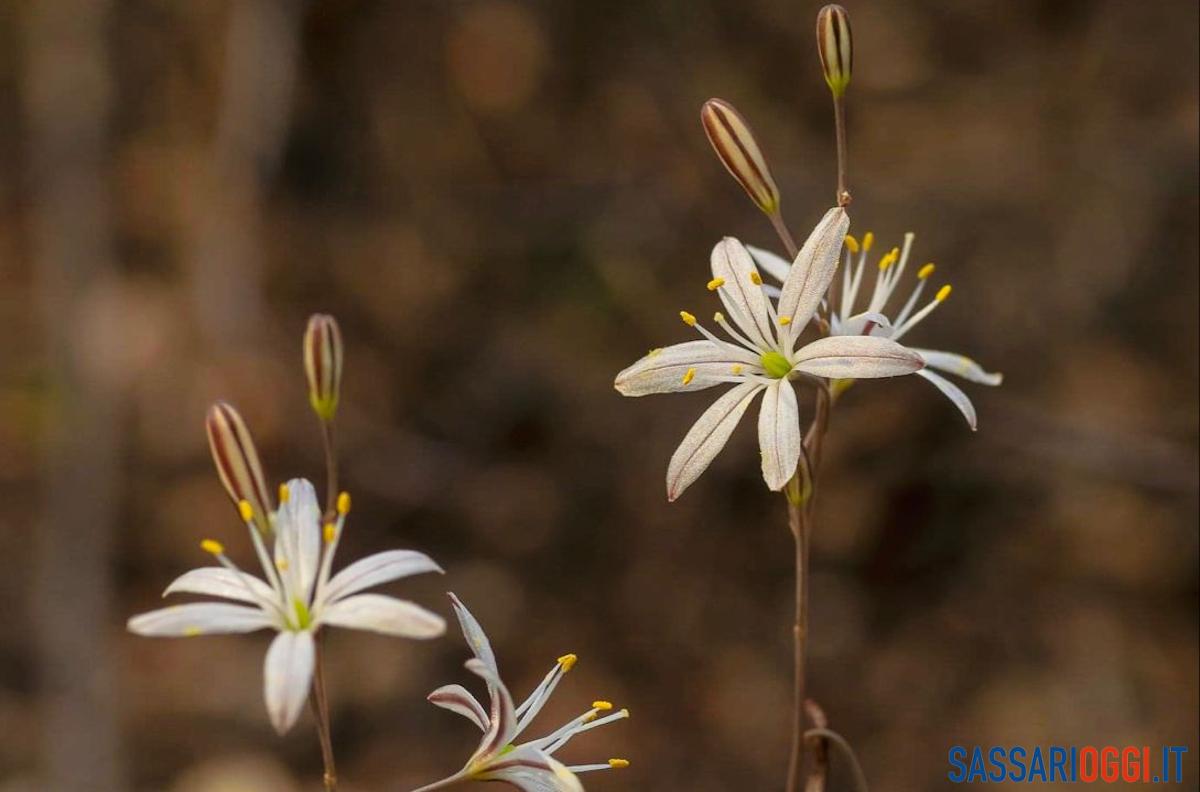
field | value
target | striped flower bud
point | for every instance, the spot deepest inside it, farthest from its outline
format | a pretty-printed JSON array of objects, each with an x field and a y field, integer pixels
[
  {"x": 834, "y": 46},
  {"x": 323, "y": 364},
  {"x": 734, "y": 143},
  {"x": 237, "y": 462}
]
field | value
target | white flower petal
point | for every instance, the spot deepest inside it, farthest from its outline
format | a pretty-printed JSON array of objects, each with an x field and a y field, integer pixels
[
  {"x": 779, "y": 433},
  {"x": 502, "y": 719},
  {"x": 201, "y": 618},
  {"x": 287, "y": 676},
  {"x": 298, "y": 523},
  {"x": 707, "y": 437},
  {"x": 954, "y": 394},
  {"x": 221, "y": 582},
  {"x": 531, "y": 770},
  {"x": 382, "y": 614},
  {"x": 857, "y": 323},
  {"x": 773, "y": 264},
  {"x": 813, "y": 269},
  {"x": 745, "y": 299},
  {"x": 458, "y": 699},
  {"x": 856, "y": 357},
  {"x": 376, "y": 569},
  {"x": 959, "y": 365},
  {"x": 663, "y": 370},
  {"x": 477, "y": 639}
]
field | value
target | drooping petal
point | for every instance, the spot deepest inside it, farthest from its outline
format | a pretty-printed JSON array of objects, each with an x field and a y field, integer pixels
[
  {"x": 222, "y": 582},
  {"x": 779, "y": 433},
  {"x": 502, "y": 719},
  {"x": 287, "y": 676},
  {"x": 665, "y": 370},
  {"x": 477, "y": 639},
  {"x": 298, "y": 523},
  {"x": 457, "y": 698},
  {"x": 742, "y": 291},
  {"x": 376, "y": 569},
  {"x": 773, "y": 264},
  {"x": 531, "y": 770},
  {"x": 200, "y": 618},
  {"x": 959, "y": 365},
  {"x": 707, "y": 437},
  {"x": 856, "y": 357},
  {"x": 382, "y": 614},
  {"x": 954, "y": 394},
  {"x": 813, "y": 269},
  {"x": 855, "y": 325}
]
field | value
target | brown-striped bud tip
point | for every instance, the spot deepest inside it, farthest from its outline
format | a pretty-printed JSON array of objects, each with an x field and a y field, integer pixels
[
  {"x": 835, "y": 47},
  {"x": 237, "y": 462},
  {"x": 323, "y": 364},
  {"x": 737, "y": 149}
]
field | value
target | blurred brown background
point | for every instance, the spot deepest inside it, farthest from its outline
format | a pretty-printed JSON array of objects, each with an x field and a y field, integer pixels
[{"x": 505, "y": 202}]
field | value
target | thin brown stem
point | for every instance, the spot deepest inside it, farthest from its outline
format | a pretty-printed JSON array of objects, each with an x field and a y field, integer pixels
[
  {"x": 818, "y": 771},
  {"x": 785, "y": 236},
  {"x": 860, "y": 778},
  {"x": 799, "y": 523},
  {"x": 320, "y": 707},
  {"x": 331, "y": 470},
  {"x": 839, "y": 116}
]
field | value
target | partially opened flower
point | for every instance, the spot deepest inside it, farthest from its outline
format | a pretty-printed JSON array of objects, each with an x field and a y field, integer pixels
[
  {"x": 297, "y": 596},
  {"x": 879, "y": 318},
  {"x": 761, "y": 355},
  {"x": 529, "y": 765}
]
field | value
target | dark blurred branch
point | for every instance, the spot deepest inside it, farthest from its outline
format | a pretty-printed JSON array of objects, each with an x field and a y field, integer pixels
[{"x": 67, "y": 102}]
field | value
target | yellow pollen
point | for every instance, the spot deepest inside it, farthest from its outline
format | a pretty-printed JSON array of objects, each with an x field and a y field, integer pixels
[
  {"x": 755, "y": 278},
  {"x": 602, "y": 705},
  {"x": 868, "y": 241},
  {"x": 689, "y": 375},
  {"x": 192, "y": 632},
  {"x": 718, "y": 317},
  {"x": 568, "y": 662},
  {"x": 785, "y": 320},
  {"x": 715, "y": 284},
  {"x": 624, "y": 713},
  {"x": 618, "y": 764},
  {"x": 943, "y": 293},
  {"x": 852, "y": 244},
  {"x": 343, "y": 503},
  {"x": 212, "y": 546},
  {"x": 329, "y": 532},
  {"x": 246, "y": 510},
  {"x": 283, "y": 493},
  {"x": 687, "y": 318},
  {"x": 654, "y": 352},
  {"x": 281, "y": 564},
  {"x": 926, "y": 271},
  {"x": 737, "y": 368}
]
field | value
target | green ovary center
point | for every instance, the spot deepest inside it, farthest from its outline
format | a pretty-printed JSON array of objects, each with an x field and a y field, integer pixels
[
  {"x": 303, "y": 615},
  {"x": 776, "y": 365}
]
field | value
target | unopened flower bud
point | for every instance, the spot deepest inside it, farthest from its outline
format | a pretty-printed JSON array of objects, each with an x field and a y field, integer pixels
[
  {"x": 323, "y": 364},
  {"x": 734, "y": 143},
  {"x": 834, "y": 46},
  {"x": 237, "y": 462}
]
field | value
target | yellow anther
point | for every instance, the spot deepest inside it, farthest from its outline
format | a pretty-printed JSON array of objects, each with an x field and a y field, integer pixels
[
  {"x": 212, "y": 546},
  {"x": 246, "y": 510},
  {"x": 852, "y": 244},
  {"x": 192, "y": 632},
  {"x": 689, "y": 375},
  {"x": 737, "y": 368},
  {"x": 889, "y": 258},
  {"x": 624, "y": 713},
  {"x": 785, "y": 320},
  {"x": 868, "y": 241},
  {"x": 654, "y": 352},
  {"x": 618, "y": 764},
  {"x": 568, "y": 662},
  {"x": 329, "y": 532},
  {"x": 926, "y": 271},
  {"x": 715, "y": 284},
  {"x": 283, "y": 493},
  {"x": 687, "y": 318},
  {"x": 602, "y": 705},
  {"x": 755, "y": 278},
  {"x": 281, "y": 564},
  {"x": 943, "y": 293},
  {"x": 343, "y": 503},
  {"x": 718, "y": 317}
]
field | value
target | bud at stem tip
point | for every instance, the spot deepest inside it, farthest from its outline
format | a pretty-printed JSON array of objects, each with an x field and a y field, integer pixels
[{"x": 738, "y": 151}]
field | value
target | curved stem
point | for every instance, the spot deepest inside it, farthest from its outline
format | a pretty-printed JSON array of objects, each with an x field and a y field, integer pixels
[{"x": 860, "y": 778}]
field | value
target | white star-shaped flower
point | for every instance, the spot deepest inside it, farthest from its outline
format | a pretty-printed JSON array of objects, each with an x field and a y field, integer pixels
[
  {"x": 761, "y": 356},
  {"x": 298, "y": 597},
  {"x": 528, "y": 766},
  {"x": 873, "y": 320}
]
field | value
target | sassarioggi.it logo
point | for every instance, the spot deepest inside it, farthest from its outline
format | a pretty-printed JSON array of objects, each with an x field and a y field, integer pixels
[{"x": 1109, "y": 764}]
